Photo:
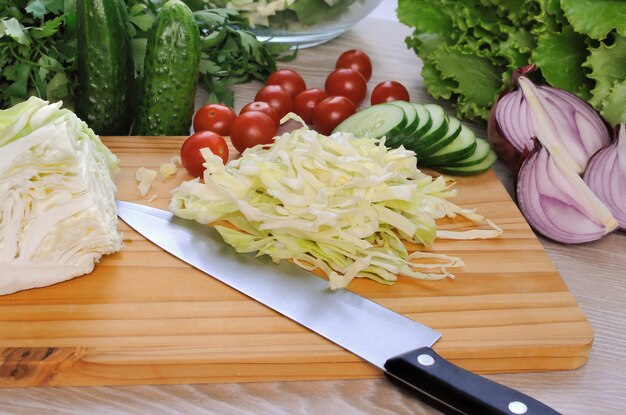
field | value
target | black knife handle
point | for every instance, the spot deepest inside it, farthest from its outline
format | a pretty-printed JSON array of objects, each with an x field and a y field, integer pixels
[{"x": 454, "y": 391}]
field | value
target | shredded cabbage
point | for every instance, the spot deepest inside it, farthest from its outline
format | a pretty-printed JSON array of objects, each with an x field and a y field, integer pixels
[
  {"x": 57, "y": 208},
  {"x": 339, "y": 204}
]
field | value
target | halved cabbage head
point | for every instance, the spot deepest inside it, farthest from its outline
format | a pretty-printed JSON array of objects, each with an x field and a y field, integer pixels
[{"x": 57, "y": 207}]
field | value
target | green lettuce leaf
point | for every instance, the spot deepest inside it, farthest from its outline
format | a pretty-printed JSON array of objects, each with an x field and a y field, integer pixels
[
  {"x": 425, "y": 17},
  {"x": 613, "y": 107},
  {"x": 560, "y": 56},
  {"x": 596, "y": 18},
  {"x": 607, "y": 67},
  {"x": 435, "y": 84},
  {"x": 478, "y": 80}
]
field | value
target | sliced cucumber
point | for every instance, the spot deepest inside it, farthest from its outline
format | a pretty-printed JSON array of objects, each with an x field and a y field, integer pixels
[
  {"x": 460, "y": 148},
  {"x": 439, "y": 125},
  {"x": 419, "y": 142},
  {"x": 470, "y": 170},
  {"x": 375, "y": 122},
  {"x": 480, "y": 153},
  {"x": 453, "y": 131},
  {"x": 410, "y": 113},
  {"x": 424, "y": 120}
]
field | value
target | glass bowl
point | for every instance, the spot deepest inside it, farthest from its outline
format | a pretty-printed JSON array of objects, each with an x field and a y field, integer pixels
[{"x": 302, "y": 23}]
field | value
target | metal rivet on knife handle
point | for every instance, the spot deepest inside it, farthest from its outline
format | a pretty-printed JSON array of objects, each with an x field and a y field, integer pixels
[{"x": 518, "y": 408}]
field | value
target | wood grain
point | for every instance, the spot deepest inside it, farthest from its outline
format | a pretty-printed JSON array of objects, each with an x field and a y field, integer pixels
[
  {"x": 593, "y": 272},
  {"x": 144, "y": 316}
]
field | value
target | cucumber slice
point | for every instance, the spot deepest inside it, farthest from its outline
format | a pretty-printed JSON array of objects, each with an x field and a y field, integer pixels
[
  {"x": 460, "y": 148},
  {"x": 439, "y": 125},
  {"x": 484, "y": 165},
  {"x": 453, "y": 131},
  {"x": 424, "y": 138},
  {"x": 480, "y": 153},
  {"x": 424, "y": 120},
  {"x": 375, "y": 122},
  {"x": 410, "y": 113}
]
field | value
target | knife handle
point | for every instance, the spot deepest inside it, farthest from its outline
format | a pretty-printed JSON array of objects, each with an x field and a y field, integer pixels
[{"x": 455, "y": 391}]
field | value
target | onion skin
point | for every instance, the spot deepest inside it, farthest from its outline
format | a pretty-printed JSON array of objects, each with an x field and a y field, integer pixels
[
  {"x": 606, "y": 175},
  {"x": 513, "y": 123},
  {"x": 506, "y": 152},
  {"x": 557, "y": 203}
]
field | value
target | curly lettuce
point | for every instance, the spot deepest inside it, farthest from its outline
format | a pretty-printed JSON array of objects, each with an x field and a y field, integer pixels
[{"x": 471, "y": 48}]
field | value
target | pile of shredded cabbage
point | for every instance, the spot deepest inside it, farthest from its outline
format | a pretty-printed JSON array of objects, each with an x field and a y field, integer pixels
[
  {"x": 57, "y": 208},
  {"x": 339, "y": 204}
]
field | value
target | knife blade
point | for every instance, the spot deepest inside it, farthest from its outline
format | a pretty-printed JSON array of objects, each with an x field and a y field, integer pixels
[{"x": 397, "y": 345}]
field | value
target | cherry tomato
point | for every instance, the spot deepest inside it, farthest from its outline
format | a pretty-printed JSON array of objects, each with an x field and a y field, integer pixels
[
  {"x": 347, "y": 83},
  {"x": 277, "y": 97},
  {"x": 305, "y": 102},
  {"x": 263, "y": 107},
  {"x": 357, "y": 61},
  {"x": 330, "y": 112},
  {"x": 252, "y": 128},
  {"x": 291, "y": 81},
  {"x": 190, "y": 155},
  {"x": 389, "y": 91},
  {"x": 214, "y": 117}
]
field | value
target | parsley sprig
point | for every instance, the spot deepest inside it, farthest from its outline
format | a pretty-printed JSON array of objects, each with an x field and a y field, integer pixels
[{"x": 38, "y": 49}]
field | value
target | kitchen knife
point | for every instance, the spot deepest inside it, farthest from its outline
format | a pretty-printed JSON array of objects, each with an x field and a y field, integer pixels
[{"x": 397, "y": 345}]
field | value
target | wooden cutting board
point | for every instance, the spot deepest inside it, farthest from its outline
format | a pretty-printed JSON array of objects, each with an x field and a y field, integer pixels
[{"x": 145, "y": 317}]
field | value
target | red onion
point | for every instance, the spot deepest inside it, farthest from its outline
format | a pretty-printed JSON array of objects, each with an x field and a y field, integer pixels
[
  {"x": 606, "y": 175},
  {"x": 557, "y": 203},
  {"x": 519, "y": 113}
]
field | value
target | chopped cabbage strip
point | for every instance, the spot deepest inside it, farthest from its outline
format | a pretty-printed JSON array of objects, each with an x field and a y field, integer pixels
[
  {"x": 144, "y": 178},
  {"x": 339, "y": 204},
  {"x": 57, "y": 208}
]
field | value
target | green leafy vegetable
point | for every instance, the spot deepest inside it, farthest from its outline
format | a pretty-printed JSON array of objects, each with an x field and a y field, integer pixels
[
  {"x": 470, "y": 48},
  {"x": 38, "y": 49},
  {"x": 57, "y": 195},
  {"x": 231, "y": 55},
  {"x": 338, "y": 204}
]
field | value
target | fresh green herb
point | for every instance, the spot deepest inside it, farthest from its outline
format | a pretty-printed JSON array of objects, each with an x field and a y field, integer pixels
[
  {"x": 471, "y": 48},
  {"x": 38, "y": 49},
  {"x": 232, "y": 55}
]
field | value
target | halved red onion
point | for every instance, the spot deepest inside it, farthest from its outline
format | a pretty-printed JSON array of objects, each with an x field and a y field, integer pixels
[
  {"x": 519, "y": 114},
  {"x": 557, "y": 203},
  {"x": 606, "y": 175}
]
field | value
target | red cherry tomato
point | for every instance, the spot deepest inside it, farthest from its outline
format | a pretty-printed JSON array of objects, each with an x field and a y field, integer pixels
[
  {"x": 389, "y": 91},
  {"x": 330, "y": 112},
  {"x": 190, "y": 155},
  {"x": 252, "y": 128},
  {"x": 305, "y": 102},
  {"x": 347, "y": 83},
  {"x": 214, "y": 117},
  {"x": 357, "y": 61},
  {"x": 291, "y": 81},
  {"x": 277, "y": 97},
  {"x": 263, "y": 107}
]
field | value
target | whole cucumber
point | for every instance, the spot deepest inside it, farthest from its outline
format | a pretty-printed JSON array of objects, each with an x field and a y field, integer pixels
[
  {"x": 170, "y": 73},
  {"x": 105, "y": 66}
]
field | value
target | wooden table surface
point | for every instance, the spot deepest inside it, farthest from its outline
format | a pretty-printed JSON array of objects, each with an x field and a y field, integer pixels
[{"x": 595, "y": 273}]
